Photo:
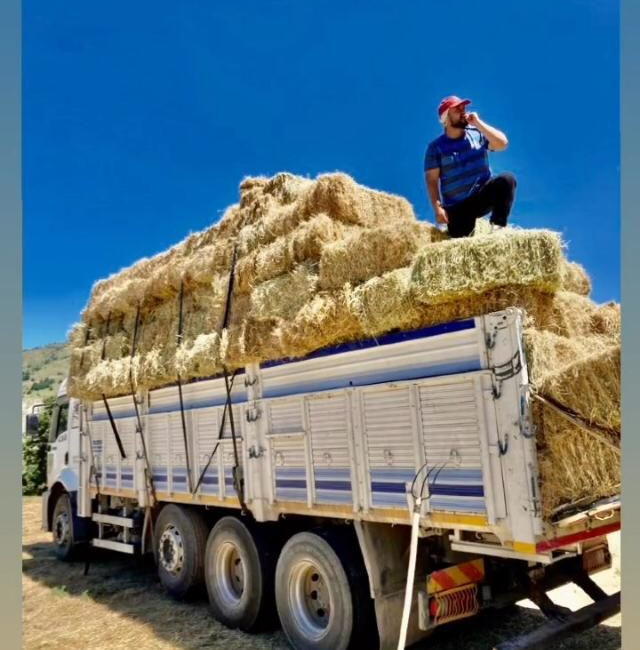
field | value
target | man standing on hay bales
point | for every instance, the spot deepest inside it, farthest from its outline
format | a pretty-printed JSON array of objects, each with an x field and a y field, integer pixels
[{"x": 457, "y": 172}]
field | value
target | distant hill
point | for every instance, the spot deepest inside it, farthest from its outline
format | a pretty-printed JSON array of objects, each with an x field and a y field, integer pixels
[{"x": 43, "y": 369}]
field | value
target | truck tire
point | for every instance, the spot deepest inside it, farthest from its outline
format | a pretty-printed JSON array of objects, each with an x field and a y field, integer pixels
[
  {"x": 239, "y": 573},
  {"x": 180, "y": 540},
  {"x": 322, "y": 593},
  {"x": 62, "y": 528}
]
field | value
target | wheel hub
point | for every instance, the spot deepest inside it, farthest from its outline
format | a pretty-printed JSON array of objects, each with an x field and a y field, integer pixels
[
  {"x": 310, "y": 600},
  {"x": 229, "y": 569},
  {"x": 171, "y": 550},
  {"x": 61, "y": 529}
]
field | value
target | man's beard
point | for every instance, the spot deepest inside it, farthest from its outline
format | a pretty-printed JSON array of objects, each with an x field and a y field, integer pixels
[{"x": 460, "y": 123}]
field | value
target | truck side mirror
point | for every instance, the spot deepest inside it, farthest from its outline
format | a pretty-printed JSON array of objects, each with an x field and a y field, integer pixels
[{"x": 32, "y": 424}]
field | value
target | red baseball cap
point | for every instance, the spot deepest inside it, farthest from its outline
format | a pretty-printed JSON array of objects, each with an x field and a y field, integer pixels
[{"x": 451, "y": 102}]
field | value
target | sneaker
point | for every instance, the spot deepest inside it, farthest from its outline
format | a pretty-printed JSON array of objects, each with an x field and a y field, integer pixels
[{"x": 496, "y": 227}]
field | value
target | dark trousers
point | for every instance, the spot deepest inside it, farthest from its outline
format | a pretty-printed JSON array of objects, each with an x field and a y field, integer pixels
[{"x": 495, "y": 196}]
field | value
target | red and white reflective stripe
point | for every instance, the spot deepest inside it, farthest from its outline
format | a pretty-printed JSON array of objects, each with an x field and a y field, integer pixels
[
  {"x": 567, "y": 540},
  {"x": 456, "y": 576},
  {"x": 451, "y": 605}
]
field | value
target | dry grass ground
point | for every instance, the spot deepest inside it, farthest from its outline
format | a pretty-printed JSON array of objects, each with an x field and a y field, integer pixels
[{"x": 120, "y": 604}]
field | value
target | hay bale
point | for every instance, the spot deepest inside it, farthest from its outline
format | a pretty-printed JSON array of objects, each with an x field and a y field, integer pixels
[
  {"x": 573, "y": 466},
  {"x": 285, "y": 295},
  {"x": 343, "y": 199},
  {"x": 287, "y": 188},
  {"x": 252, "y": 341},
  {"x": 365, "y": 254},
  {"x": 336, "y": 195},
  {"x": 457, "y": 269},
  {"x": 388, "y": 303},
  {"x": 383, "y": 304},
  {"x": 304, "y": 244},
  {"x": 575, "y": 278},
  {"x": 606, "y": 320},
  {"x": 567, "y": 314},
  {"x": 582, "y": 373},
  {"x": 323, "y": 321},
  {"x": 201, "y": 358}
]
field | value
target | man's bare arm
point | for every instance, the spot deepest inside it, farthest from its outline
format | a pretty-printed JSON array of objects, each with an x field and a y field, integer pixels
[
  {"x": 497, "y": 139},
  {"x": 432, "y": 178}
]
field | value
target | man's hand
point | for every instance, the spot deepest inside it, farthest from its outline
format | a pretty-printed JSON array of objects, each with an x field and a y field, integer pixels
[
  {"x": 473, "y": 119},
  {"x": 441, "y": 215}
]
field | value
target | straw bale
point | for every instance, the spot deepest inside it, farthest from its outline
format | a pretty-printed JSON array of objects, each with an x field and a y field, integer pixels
[
  {"x": 337, "y": 195},
  {"x": 575, "y": 278},
  {"x": 284, "y": 296},
  {"x": 457, "y": 269},
  {"x": 239, "y": 308},
  {"x": 197, "y": 259},
  {"x": 325, "y": 320},
  {"x": 573, "y": 466},
  {"x": 200, "y": 359},
  {"x": 567, "y": 314},
  {"x": 606, "y": 320},
  {"x": 582, "y": 373},
  {"x": 203, "y": 308},
  {"x": 384, "y": 303},
  {"x": 204, "y": 264},
  {"x": 157, "y": 367},
  {"x": 287, "y": 188},
  {"x": 343, "y": 199},
  {"x": 252, "y": 341},
  {"x": 364, "y": 254},
  {"x": 388, "y": 303},
  {"x": 249, "y": 183},
  {"x": 304, "y": 244},
  {"x": 482, "y": 227}
]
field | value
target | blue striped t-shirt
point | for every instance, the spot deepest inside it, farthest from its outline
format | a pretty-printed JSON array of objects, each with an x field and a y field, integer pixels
[{"x": 463, "y": 163}]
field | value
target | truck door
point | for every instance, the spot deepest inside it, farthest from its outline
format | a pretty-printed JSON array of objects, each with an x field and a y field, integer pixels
[{"x": 58, "y": 455}]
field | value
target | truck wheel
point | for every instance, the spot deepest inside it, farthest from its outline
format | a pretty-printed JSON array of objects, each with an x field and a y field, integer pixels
[
  {"x": 322, "y": 594},
  {"x": 239, "y": 569},
  {"x": 62, "y": 528},
  {"x": 180, "y": 539}
]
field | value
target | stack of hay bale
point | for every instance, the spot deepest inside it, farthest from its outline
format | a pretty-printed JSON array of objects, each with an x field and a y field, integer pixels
[{"x": 320, "y": 262}]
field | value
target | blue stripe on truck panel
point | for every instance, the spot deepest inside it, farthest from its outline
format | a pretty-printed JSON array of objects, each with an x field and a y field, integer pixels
[
  {"x": 441, "y": 489},
  {"x": 452, "y": 504},
  {"x": 333, "y": 485},
  {"x": 457, "y": 490},
  {"x": 290, "y": 483},
  {"x": 450, "y": 489}
]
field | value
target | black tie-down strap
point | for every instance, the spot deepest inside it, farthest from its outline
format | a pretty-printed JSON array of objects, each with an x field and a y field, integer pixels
[
  {"x": 182, "y": 417},
  {"x": 147, "y": 469},
  {"x": 227, "y": 405},
  {"x": 114, "y": 428},
  {"x": 238, "y": 480}
]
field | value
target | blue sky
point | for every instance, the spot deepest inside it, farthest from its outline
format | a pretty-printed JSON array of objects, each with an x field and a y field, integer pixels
[{"x": 140, "y": 119}]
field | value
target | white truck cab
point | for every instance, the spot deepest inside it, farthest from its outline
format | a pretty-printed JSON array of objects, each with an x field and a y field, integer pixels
[{"x": 59, "y": 502}]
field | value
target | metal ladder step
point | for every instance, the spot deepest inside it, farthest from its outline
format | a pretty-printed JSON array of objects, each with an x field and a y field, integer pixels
[
  {"x": 113, "y": 520},
  {"x": 121, "y": 547}
]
